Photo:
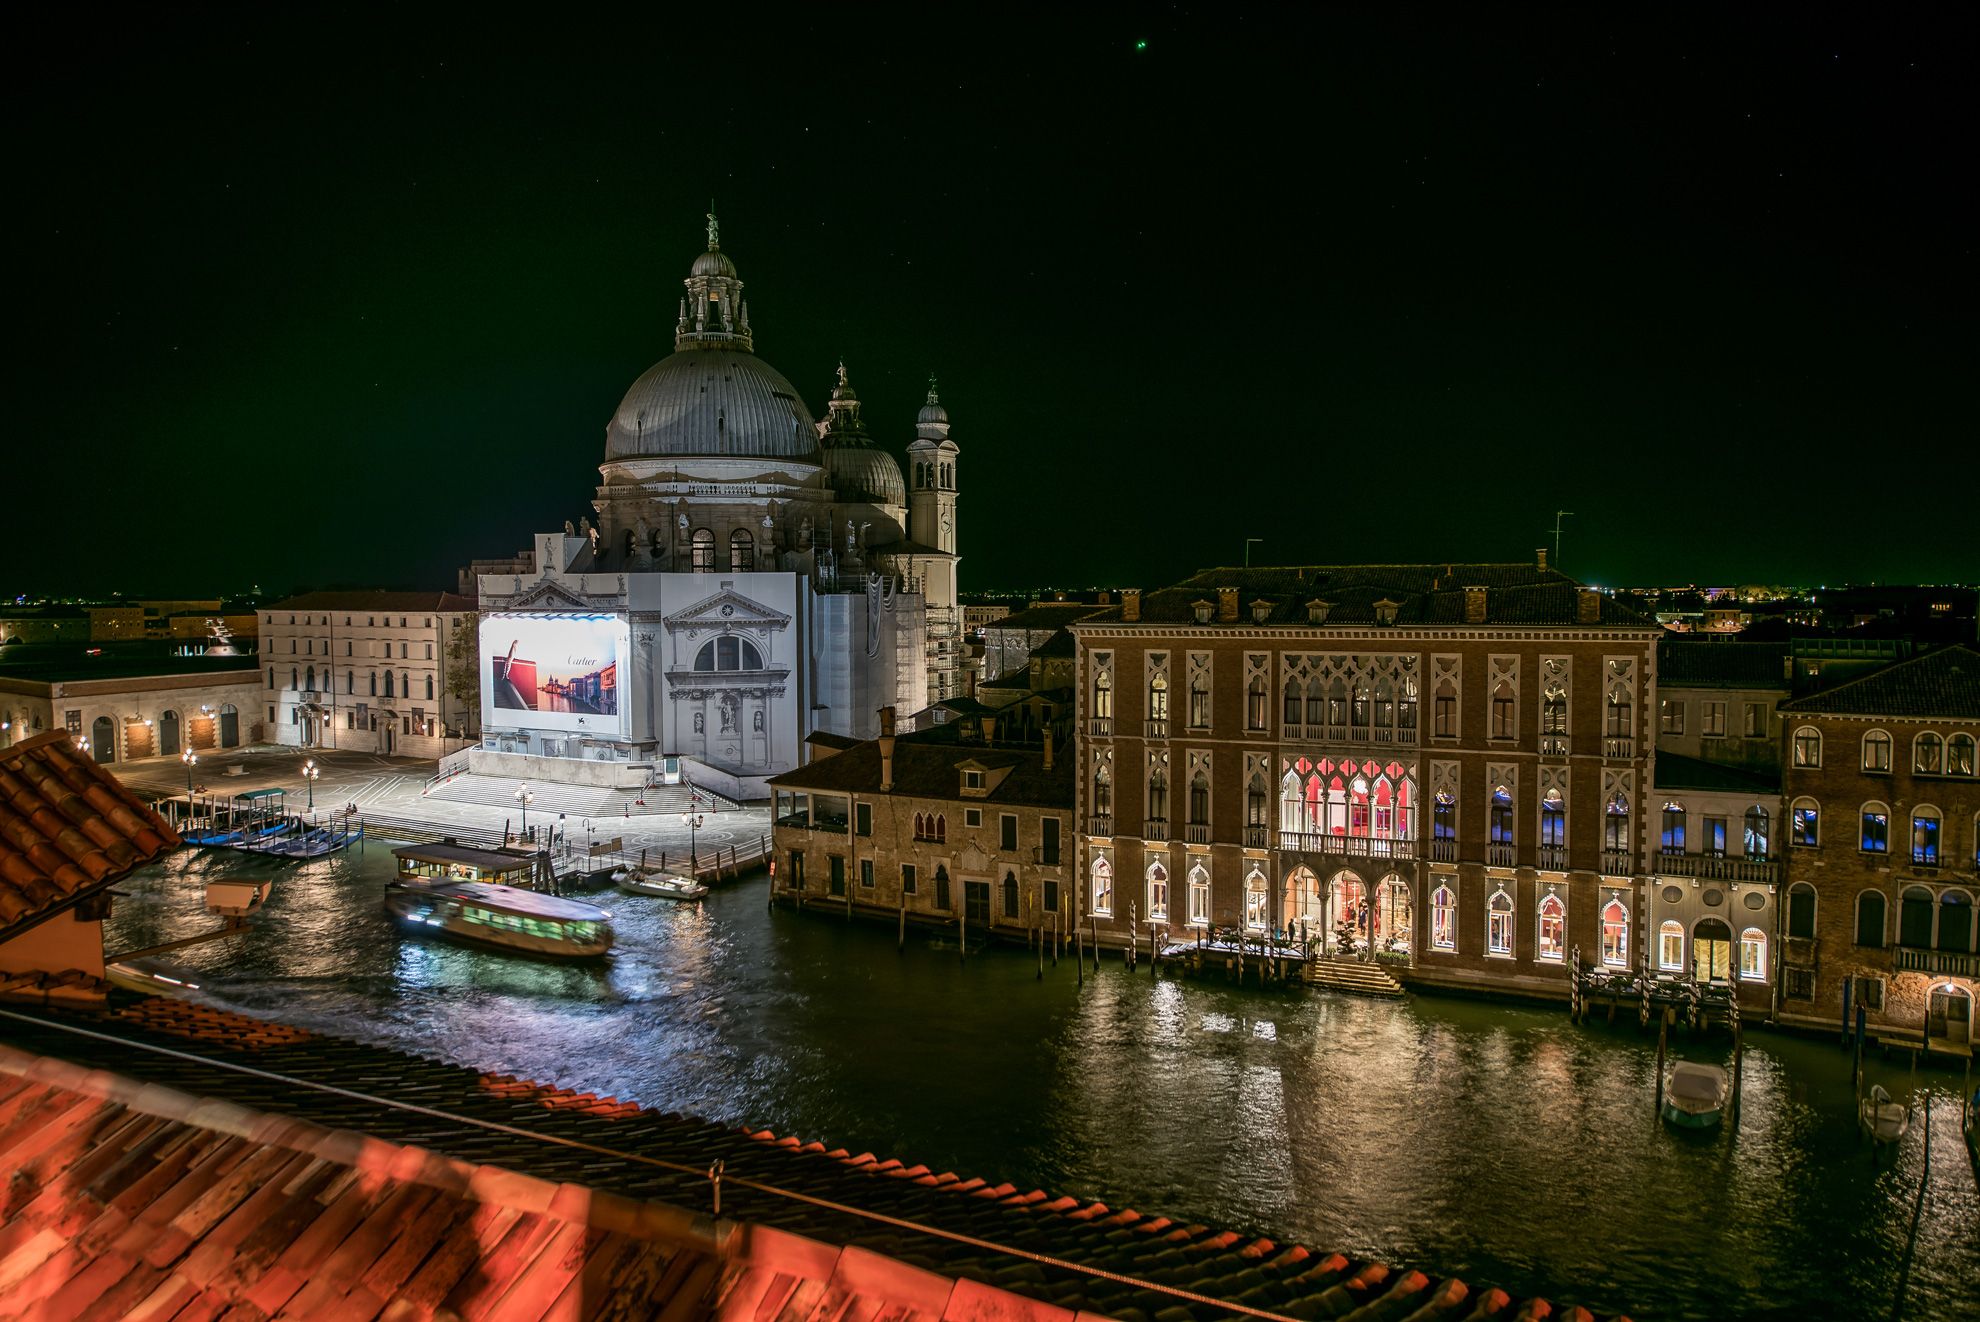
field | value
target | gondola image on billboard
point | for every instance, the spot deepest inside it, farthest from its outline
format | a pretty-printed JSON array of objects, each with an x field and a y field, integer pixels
[{"x": 561, "y": 670}]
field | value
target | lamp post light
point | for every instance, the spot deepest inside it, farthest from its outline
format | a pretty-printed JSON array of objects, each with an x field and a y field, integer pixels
[
  {"x": 82, "y": 744},
  {"x": 692, "y": 820},
  {"x": 191, "y": 759},
  {"x": 525, "y": 798},
  {"x": 310, "y": 771}
]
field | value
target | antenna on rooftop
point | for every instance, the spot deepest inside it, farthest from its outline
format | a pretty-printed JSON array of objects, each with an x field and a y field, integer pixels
[
  {"x": 1558, "y": 516},
  {"x": 1247, "y": 549}
]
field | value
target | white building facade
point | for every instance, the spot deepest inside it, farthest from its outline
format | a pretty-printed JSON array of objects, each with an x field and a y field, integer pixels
[
  {"x": 753, "y": 575},
  {"x": 367, "y": 671}
]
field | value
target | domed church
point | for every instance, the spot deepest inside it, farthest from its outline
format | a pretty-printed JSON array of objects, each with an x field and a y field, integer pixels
[{"x": 752, "y": 575}]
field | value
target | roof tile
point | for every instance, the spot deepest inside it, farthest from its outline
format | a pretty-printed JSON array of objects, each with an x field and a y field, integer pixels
[
  {"x": 1942, "y": 684},
  {"x": 67, "y": 828}
]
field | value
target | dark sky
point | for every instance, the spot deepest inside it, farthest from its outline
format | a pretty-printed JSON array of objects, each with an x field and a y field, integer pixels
[{"x": 347, "y": 296}]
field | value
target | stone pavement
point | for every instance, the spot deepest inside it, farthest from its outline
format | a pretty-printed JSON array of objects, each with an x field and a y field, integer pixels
[{"x": 391, "y": 787}]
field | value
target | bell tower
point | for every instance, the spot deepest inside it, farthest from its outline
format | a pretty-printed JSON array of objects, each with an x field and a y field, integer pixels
[
  {"x": 932, "y": 491},
  {"x": 932, "y": 523}
]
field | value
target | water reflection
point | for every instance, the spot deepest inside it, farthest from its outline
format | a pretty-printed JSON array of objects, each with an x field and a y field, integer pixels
[{"x": 1495, "y": 1143}]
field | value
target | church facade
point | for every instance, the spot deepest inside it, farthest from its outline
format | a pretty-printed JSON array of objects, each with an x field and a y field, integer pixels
[{"x": 753, "y": 575}]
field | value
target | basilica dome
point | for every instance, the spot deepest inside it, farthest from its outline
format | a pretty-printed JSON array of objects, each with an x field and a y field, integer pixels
[
  {"x": 712, "y": 402},
  {"x": 863, "y": 474}
]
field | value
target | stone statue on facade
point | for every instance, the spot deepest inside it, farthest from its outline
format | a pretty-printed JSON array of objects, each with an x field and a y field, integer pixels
[{"x": 570, "y": 529}]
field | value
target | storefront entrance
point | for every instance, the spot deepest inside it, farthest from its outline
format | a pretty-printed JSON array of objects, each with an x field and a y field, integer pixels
[{"x": 1711, "y": 951}]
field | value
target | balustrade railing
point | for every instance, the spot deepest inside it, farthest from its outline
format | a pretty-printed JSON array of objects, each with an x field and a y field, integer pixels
[
  {"x": 1554, "y": 745},
  {"x": 1100, "y": 824},
  {"x": 1499, "y": 856},
  {"x": 1618, "y": 745},
  {"x": 1258, "y": 837},
  {"x": 1553, "y": 860},
  {"x": 1443, "y": 851},
  {"x": 1618, "y": 863},
  {"x": 1155, "y": 729},
  {"x": 1351, "y": 846},
  {"x": 1100, "y": 726},
  {"x": 1952, "y": 963},
  {"x": 1154, "y": 828},
  {"x": 1712, "y": 867},
  {"x": 1197, "y": 833}
]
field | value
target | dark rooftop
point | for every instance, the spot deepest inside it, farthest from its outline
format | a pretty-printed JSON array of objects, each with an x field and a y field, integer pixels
[
  {"x": 927, "y": 766},
  {"x": 1516, "y": 594},
  {"x": 78, "y": 662},
  {"x": 1674, "y": 771},
  {"x": 1942, "y": 684},
  {"x": 370, "y": 600},
  {"x": 1046, "y": 615},
  {"x": 1684, "y": 663}
]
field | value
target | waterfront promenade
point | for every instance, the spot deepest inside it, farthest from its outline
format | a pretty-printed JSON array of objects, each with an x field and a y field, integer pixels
[{"x": 394, "y": 788}]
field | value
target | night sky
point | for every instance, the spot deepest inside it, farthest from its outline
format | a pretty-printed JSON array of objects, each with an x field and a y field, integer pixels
[{"x": 315, "y": 297}]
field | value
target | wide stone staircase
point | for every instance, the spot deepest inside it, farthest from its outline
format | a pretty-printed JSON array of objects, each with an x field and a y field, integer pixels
[
  {"x": 572, "y": 800},
  {"x": 1354, "y": 976}
]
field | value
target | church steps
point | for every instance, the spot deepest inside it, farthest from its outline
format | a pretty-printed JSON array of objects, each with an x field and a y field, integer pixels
[{"x": 571, "y": 800}]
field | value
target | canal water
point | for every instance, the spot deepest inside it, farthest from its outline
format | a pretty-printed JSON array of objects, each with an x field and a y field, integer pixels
[{"x": 1495, "y": 1143}]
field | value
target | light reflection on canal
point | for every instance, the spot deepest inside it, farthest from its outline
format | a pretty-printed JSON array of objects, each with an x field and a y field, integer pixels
[{"x": 1495, "y": 1143}]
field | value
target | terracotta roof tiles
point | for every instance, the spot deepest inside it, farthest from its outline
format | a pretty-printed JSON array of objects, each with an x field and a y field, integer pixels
[
  {"x": 67, "y": 828},
  {"x": 506, "y": 1165}
]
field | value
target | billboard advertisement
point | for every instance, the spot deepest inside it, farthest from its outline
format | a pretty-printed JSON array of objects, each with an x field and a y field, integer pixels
[{"x": 553, "y": 672}]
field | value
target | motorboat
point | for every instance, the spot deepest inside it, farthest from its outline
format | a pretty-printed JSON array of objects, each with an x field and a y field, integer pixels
[
  {"x": 1884, "y": 1120},
  {"x": 1695, "y": 1095},
  {"x": 660, "y": 884},
  {"x": 449, "y": 890},
  {"x": 153, "y": 977}
]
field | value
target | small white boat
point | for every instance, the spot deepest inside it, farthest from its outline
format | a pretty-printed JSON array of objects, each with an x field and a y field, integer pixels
[
  {"x": 1883, "y": 1119},
  {"x": 152, "y": 976},
  {"x": 1695, "y": 1095},
  {"x": 660, "y": 884}
]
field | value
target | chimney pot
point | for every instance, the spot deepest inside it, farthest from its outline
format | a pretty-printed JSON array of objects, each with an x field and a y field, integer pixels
[
  {"x": 1048, "y": 750},
  {"x": 1540, "y": 553},
  {"x": 1474, "y": 605},
  {"x": 1587, "y": 606},
  {"x": 1131, "y": 605},
  {"x": 1227, "y": 605}
]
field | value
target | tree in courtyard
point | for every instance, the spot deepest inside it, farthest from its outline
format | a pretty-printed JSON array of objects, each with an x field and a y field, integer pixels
[{"x": 464, "y": 668}]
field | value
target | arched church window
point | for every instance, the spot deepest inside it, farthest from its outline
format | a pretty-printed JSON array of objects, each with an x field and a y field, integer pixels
[
  {"x": 742, "y": 551},
  {"x": 702, "y": 554},
  {"x": 728, "y": 653}
]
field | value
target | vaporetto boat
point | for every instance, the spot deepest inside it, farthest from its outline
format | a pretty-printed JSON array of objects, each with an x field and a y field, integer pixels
[{"x": 440, "y": 891}]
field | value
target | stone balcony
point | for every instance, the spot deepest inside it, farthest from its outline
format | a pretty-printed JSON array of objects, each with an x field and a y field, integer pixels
[
  {"x": 1555, "y": 745},
  {"x": 1346, "y": 846},
  {"x": 1154, "y": 828},
  {"x": 1100, "y": 727},
  {"x": 1501, "y": 856},
  {"x": 1155, "y": 729},
  {"x": 1714, "y": 867},
  {"x": 1101, "y": 824},
  {"x": 1948, "y": 963}
]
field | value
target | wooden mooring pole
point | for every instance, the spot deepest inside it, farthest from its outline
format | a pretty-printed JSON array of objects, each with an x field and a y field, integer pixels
[
  {"x": 1739, "y": 1043},
  {"x": 1663, "y": 1032},
  {"x": 962, "y": 927},
  {"x": 1079, "y": 955},
  {"x": 902, "y": 945}
]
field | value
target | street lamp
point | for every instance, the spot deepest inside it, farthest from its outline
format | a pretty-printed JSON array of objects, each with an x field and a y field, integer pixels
[
  {"x": 190, "y": 758},
  {"x": 310, "y": 771},
  {"x": 82, "y": 744},
  {"x": 525, "y": 798},
  {"x": 692, "y": 820}
]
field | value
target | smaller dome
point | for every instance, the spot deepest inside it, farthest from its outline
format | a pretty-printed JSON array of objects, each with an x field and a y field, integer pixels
[
  {"x": 859, "y": 473},
  {"x": 932, "y": 412},
  {"x": 713, "y": 262}
]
